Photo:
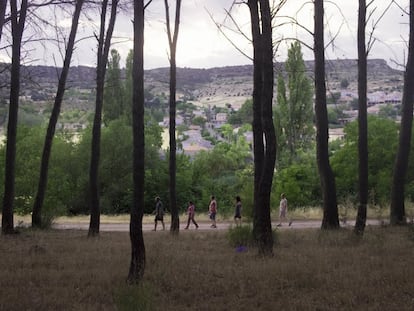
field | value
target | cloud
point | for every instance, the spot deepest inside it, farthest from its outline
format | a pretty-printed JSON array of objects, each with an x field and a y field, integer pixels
[{"x": 201, "y": 45}]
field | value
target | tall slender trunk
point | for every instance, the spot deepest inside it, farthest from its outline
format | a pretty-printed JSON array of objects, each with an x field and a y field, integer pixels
[
  {"x": 172, "y": 40},
  {"x": 47, "y": 147},
  {"x": 397, "y": 213},
  {"x": 268, "y": 126},
  {"x": 362, "y": 121},
  {"x": 103, "y": 52},
  {"x": 175, "y": 221},
  {"x": 137, "y": 265},
  {"x": 18, "y": 19},
  {"x": 258, "y": 144},
  {"x": 264, "y": 148},
  {"x": 327, "y": 179},
  {"x": 3, "y": 6}
]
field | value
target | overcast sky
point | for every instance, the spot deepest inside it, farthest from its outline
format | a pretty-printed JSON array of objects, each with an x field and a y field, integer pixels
[{"x": 201, "y": 45}]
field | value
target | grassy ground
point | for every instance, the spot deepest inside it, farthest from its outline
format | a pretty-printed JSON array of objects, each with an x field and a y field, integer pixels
[{"x": 311, "y": 270}]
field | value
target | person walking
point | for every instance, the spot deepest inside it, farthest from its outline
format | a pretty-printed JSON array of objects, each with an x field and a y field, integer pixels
[
  {"x": 191, "y": 214},
  {"x": 237, "y": 212},
  {"x": 212, "y": 211},
  {"x": 283, "y": 210},
  {"x": 159, "y": 213}
]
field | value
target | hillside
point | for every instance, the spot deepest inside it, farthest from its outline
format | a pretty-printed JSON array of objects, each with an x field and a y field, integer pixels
[{"x": 214, "y": 86}]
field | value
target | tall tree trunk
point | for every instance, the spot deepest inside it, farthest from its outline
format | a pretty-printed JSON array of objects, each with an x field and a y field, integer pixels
[
  {"x": 268, "y": 126},
  {"x": 397, "y": 216},
  {"x": 264, "y": 150},
  {"x": 103, "y": 52},
  {"x": 3, "y": 6},
  {"x": 172, "y": 40},
  {"x": 137, "y": 265},
  {"x": 47, "y": 147},
  {"x": 362, "y": 121},
  {"x": 18, "y": 19},
  {"x": 327, "y": 179},
  {"x": 258, "y": 147}
]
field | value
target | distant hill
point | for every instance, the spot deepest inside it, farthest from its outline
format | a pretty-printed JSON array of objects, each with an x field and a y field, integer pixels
[{"x": 214, "y": 86}]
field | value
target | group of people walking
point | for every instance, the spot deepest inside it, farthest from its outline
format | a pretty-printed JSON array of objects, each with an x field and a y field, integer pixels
[{"x": 212, "y": 212}]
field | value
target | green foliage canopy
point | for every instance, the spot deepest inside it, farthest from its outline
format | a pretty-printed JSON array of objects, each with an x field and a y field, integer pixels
[
  {"x": 382, "y": 144},
  {"x": 294, "y": 111}
]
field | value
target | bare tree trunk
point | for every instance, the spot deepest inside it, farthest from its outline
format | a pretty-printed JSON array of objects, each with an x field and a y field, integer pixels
[
  {"x": 3, "y": 6},
  {"x": 258, "y": 147},
  {"x": 362, "y": 121},
  {"x": 330, "y": 208},
  {"x": 397, "y": 216},
  {"x": 264, "y": 150},
  {"x": 268, "y": 126},
  {"x": 47, "y": 147},
  {"x": 18, "y": 19},
  {"x": 137, "y": 266},
  {"x": 103, "y": 52},
  {"x": 172, "y": 40}
]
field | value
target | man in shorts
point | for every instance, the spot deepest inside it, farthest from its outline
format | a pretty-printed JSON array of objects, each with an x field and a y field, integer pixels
[{"x": 283, "y": 210}]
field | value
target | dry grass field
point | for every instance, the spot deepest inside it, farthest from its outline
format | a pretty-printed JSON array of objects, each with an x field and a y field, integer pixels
[{"x": 200, "y": 270}]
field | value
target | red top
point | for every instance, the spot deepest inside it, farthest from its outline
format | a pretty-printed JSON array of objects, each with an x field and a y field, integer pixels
[
  {"x": 213, "y": 206},
  {"x": 190, "y": 210}
]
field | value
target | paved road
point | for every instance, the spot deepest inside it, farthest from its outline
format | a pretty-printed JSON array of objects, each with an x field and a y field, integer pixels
[{"x": 124, "y": 227}]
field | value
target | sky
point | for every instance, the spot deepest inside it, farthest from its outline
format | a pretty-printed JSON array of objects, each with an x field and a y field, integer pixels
[{"x": 202, "y": 45}]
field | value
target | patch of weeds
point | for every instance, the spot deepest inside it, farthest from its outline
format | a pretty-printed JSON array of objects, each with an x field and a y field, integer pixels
[
  {"x": 240, "y": 236},
  {"x": 47, "y": 220},
  {"x": 134, "y": 298},
  {"x": 243, "y": 236}
]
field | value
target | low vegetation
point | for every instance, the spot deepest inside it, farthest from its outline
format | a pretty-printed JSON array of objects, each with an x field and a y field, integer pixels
[{"x": 199, "y": 270}]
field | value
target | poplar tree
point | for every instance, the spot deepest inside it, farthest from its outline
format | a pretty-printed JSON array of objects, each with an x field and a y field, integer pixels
[
  {"x": 114, "y": 106},
  {"x": 295, "y": 110}
]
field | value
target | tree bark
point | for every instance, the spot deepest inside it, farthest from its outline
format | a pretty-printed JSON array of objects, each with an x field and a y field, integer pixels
[
  {"x": 18, "y": 19},
  {"x": 397, "y": 213},
  {"x": 47, "y": 147},
  {"x": 137, "y": 265},
  {"x": 103, "y": 52},
  {"x": 172, "y": 40},
  {"x": 264, "y": 149},
  {"x": 362, "y": 121},
  {"x": 327, "y": 179},
  {"x": 3, "y": 6},
  {"x": 268, "y": 126}
]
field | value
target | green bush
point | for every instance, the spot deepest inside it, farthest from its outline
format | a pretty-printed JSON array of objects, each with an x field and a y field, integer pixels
[{"x": 300, "y": 183}]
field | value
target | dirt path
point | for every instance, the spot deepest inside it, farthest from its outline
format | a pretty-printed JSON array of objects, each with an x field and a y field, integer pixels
[{"x": 124, "y": 227}]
